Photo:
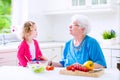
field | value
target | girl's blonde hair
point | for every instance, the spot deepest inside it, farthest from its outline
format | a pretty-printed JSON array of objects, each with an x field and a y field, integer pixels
[{"x": 27, "y": 28}]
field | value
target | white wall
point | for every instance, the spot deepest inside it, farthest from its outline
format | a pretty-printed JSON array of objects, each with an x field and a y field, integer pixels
[
  {"x": 55, "y": 27},
  {"x": 43, "y": 23},
  {"x": 19, "y": 15},
  {"x": 19, "y": 12},
  {"x": 99, "y": 22}
]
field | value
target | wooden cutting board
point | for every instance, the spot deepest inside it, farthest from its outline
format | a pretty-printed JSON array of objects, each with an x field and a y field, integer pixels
[{"x": 81, "y": 73}]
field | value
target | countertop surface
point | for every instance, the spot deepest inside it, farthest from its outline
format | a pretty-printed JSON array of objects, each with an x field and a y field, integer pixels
[
  {"x": 20, "y": 73},
  {"x": 110, "y": 46},
  {"x": 14, "y": 45}
]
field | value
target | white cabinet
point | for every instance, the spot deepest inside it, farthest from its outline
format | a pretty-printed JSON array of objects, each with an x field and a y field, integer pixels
[
  {"x": 91, "y": 5},
  {"x": 107, "y": 54},
  {"x": 51, "y": 52},
  {"x": 76, "y": 6},
  {"x": 115, "y": 57},
  {"x": 112, "y": 56},
  {"x": 8, "y": 58},
  {"x": 55, "y": 6}
]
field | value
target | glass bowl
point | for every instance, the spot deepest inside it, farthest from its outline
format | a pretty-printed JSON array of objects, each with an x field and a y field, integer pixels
[{"x": 37, "y": 66}]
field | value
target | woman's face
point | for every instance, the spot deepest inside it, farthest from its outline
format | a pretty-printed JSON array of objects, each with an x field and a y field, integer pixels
[{"x": 75, "y": 29}]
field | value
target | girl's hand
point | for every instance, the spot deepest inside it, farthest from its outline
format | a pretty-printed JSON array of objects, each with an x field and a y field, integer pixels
[{"x": 43, "y": 58}]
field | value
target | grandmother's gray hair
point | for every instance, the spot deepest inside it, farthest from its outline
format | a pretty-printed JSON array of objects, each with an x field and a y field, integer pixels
[{"x": 83, "y": 21}]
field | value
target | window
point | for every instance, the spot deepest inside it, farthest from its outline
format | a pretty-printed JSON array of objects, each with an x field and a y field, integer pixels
[
  {"x": 81, "y": 2},
  {"x": 94, "y": 2},
  {"x": 76, "y": 3},
  {"x": 5, "y": 16},
  {"x": 98, "y": 2}
]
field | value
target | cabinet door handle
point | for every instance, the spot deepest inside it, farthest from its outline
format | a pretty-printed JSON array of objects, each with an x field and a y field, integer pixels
[
  {"x": 117, "y": 57},
  {"x": 53, "y": 49},
  {"x": 1, "y": 58}
]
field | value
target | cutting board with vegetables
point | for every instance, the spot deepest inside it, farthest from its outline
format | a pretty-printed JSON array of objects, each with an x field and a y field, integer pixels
[
  {"x": 87, "y": 69},
  {"x": 81, "y": 73}
]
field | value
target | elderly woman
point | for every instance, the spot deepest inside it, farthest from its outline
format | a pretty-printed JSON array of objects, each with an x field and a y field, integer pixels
[{"x": 82, "y": 47}]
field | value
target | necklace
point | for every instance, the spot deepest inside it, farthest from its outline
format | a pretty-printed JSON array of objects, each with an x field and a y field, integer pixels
[{"x": 78, "y": 48}]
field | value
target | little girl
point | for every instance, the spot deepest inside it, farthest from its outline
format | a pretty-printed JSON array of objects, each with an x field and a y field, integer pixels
[{"x": 29, "y": 49}]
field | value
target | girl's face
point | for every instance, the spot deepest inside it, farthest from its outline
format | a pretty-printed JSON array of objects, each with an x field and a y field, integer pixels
[{"x": 33, "y": 33}]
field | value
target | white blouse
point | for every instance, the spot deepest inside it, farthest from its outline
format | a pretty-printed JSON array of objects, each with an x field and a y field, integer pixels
[{"x": 32, "y": 49}]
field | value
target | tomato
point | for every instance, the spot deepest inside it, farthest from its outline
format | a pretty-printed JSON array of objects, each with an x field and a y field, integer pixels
[
  {"x": 77, "y": 67},
  {"x": 85, "y": 69},
  {"x": 73, "y": 68},
  {"x": 48, "y": 68},
  {"x": 51, "y": 67},
  {"x": 69, "y": 68}
]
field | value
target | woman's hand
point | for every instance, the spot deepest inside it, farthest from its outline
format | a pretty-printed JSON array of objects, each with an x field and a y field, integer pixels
[
  {"x": 49, "y": 63},
  {"x": 97, "y": 66},
  {"x": 56, "y": 64}
]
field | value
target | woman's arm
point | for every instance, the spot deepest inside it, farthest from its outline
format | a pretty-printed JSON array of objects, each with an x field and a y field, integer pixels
[
  {"x": 97, "y": 56},
  {"x": 56, "y": 64},
  {"x": 97, "y": 66}
]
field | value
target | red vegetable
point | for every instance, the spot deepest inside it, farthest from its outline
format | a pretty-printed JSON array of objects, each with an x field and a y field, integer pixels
[{"x": 48, "y": 68}]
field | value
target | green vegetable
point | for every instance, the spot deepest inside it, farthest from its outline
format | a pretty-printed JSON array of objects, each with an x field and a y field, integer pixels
[
  {"x": 109, "y": 34},
  {"x": 38, "y": 69}
]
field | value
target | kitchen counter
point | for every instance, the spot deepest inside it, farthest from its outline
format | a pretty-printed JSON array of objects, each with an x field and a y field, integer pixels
[
  {"x": 20, "y": 73},
  {"x": 9, "y": 47},
  {"x": 14, "y": 46},
  {"x": 110, "y": 46},
  {"x": 8, "y": 52}
]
